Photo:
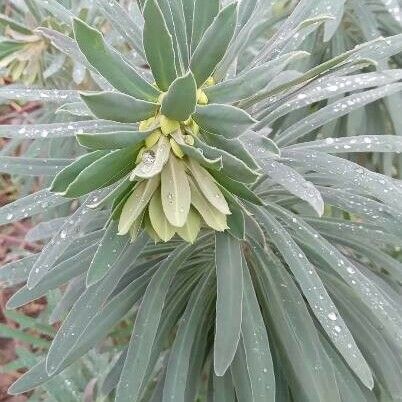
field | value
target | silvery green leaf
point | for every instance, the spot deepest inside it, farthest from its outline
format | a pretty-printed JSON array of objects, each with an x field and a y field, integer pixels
[
  {"x": 394, "y": 8},
  {"x": 153, "y": 160},
  {"x": 180, "y": 354},
  {"x": 250, "y": 82},
  {"x": 295, "y": 330},
  {"x": 60, "y": 242},
  {"x": 386, "y": 366},
  {"x": 103, "y": 172},
  {"x": 32, "y": 166},
  {"x": 240, "y": 375},
  {"x": 72, "y": 292},
  {"x": 60, "y": 130},
  {"x": 101, "y": 322},
  {"x": 58, "y": 10},
  {"x": 235, "y": 147},
  {"x": 229, "y": 274},
  {"x": 61, "y": 273},
  {"x": 146, "y": 325},
  {"x": 334, "y": 111},
  {"x": 256, "y": 343},
  {"x": 16, "y": 272},
  {"x": 318, "y": 298},
  {"x": 12, "y": 23},
  {"x": 112, "y": 140},
  {"x": 75, "y": 109},
  {"x": 260, "y": 146},
  {"x": 205, "y": 13},
  {"x": 374, "y": 184},
  {"x": 123, "y": 23},
  {"x": 30, "y": 205},
  {"x": 225, "y": 120},
  {"x": 231, "y": 165},
  {"x": 213, "y": 44},
  {"x": 67, "y": 175},
  {"x": 158, "y": 46},
  {"x": 223, "y": 388},
  {"x": 42, "y": 95},
  {"x": 197, "y": 153},
  {"x": 181, "y": 98},
  {"x": 332, "y": 86},
  {"x": 294, "y": 182},
  {"x": 44, "y": 230},
  {"x": 108, "y": 252},
  {"x": 350, "y": 274},
  {"x": 87, "y": 306},
  {"x": 361, "y": 143},
  {"x": 110, "y": 64},
  {"x": 118, "y": 107}
]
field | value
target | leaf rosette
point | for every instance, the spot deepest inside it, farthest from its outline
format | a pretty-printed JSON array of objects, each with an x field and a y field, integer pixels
[{"x": 170, "y": 173}]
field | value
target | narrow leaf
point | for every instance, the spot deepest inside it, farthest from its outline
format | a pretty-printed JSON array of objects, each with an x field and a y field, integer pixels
[{"x": 229, "y": 273}]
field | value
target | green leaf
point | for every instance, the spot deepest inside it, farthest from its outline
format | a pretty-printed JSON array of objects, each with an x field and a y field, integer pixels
[
  {"x": 180, "y": 100},
  {"x": 249, "y": 83},
  {"x": 103, "y": 172},
  {"x": 236, "y": 188},
  {"x": 295, "y": 334},
  {"x": 90, "y": 303},
  {"x": 360, "y": 143},
  {"x": 213, "y": 44},
  {"x": 161, "y": 225},
  {"x": 60, "y": 274},
  {"x": 136, "y": 203},
  {"x": 225, "y": 120},
  {"x": 9, "y": 47},
  {"x": 113, "y": 140},
  {"x": 256, "y": 344},
  {"x": 240, "y": 375},
  {"x": 229, "y": 274},
  {"x": 66, "y": 176},
  {"x": 153, "y": 160},
  {"x": 205, "y": 12},
  {"x": 223, "y": 388},
  {"x": 234, "y": 147},
  {"x": 333, "y": 111},
  {"x": 119, "y": 107},
  {"x": 232, "y": 166},
  {"x": 6, "y": 21},
  {"x": 180, "y": 355},
  {"x": 236, "y": 222},
  {"x": 109, "y": 250},
  {"x": 158, "y": 46},
  {"x": 175, "y": 190},
  {"x": 316, "y": 295},
  {"x": 18, "y": 165},
  {"x": 208, "y": 187},
  {"x": 146, "y": 325},
  {"x": 7, "y": 332},
  {"x": 110, "y": 64},
  {"x": 197, "y": 153}
]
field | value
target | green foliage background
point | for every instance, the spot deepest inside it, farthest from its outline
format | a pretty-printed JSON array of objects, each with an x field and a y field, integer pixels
[{"x": 221, "y": 198}]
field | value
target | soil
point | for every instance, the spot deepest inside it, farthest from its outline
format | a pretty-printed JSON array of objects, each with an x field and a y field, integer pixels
[{"x": 12, "y": 246}]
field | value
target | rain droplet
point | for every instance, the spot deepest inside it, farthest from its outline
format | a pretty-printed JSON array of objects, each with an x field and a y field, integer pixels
[{"x": 332, "y": 316}]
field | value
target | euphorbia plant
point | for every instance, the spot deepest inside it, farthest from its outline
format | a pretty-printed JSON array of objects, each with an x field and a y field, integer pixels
[{"x": 256, "y": 298}]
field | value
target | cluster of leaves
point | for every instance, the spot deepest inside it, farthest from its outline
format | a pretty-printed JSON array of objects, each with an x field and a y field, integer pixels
[{"x": 219, "y": 123}]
